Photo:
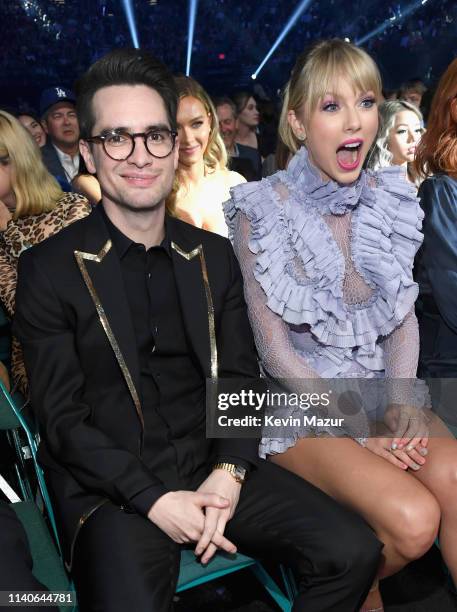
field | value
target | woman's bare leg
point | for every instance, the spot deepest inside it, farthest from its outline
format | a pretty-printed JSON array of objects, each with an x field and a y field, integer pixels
[
  {"x": 439, "y": 475},
  {"x": 402, "y": 512}
]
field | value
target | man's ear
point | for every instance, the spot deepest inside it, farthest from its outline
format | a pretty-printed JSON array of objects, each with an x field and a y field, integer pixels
[
  {"x": 86, "y": 152},
  {"x": 454, "y": 109},
  {"x": 297, "y": 126}
]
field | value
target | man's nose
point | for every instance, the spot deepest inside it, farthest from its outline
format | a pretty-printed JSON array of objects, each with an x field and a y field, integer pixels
[{"x": 140, "y": 156}]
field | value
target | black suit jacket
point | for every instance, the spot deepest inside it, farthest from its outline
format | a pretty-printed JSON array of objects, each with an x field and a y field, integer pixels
[{"x": 74, "y": 324}]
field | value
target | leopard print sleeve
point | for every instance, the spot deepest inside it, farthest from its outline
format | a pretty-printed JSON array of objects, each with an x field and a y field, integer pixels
[
  {"x": 24, "y": 232},
  {"x": 76, "y": 207},
  {"x": 8, "y": 277}
]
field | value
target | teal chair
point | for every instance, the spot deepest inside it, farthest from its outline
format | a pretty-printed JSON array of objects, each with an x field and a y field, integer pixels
[
  {"x": 48, "y": 567},
  {"x": 191, "y": 574}
]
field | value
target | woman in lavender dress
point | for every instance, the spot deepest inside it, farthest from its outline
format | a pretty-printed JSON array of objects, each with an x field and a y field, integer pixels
[{"x": 326, "y": 250}]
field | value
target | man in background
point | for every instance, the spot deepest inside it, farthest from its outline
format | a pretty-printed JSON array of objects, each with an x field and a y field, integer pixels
[
  {"x": 61, "y": 152},
  {"x": 242, "y": 159}
]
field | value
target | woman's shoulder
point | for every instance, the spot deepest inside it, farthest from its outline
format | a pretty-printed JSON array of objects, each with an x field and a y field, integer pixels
[
  {"x": 225, "y": 179},
  {"x": 438, "y": 187},
  {"x": 32, "y": 229},
  {"x": 73, "y": 204}
]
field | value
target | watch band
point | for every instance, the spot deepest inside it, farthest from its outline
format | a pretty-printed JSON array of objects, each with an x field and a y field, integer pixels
[{"x": 238, "y": 472}]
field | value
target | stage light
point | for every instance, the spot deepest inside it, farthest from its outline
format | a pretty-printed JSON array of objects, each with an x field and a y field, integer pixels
[
  {"x": 253, "y": 77},
  {"x": 33, "y": 9},
  {"x": 401, "y": 14},
  {"x": 193, "y": 6},
  {"x": 127, "y": 5},
  {"x": 347, "y": 39},
  {"x": 289, "y": 25}
]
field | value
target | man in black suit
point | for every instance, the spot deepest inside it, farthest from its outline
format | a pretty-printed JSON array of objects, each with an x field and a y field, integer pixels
[
  {"x": 61, "y": 152},
  {"x": 122, "y": 317}
]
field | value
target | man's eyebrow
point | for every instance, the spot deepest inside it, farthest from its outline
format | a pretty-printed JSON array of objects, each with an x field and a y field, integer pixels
[{"x": 149, "y": 128}]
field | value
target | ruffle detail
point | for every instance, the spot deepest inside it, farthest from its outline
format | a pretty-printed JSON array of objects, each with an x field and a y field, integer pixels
[
  {"x": 329, "y": 196},
  {"x": 386, "y": 235}
]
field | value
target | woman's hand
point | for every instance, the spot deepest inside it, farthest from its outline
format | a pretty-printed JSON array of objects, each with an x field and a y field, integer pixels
[
  {"x": 400, "y": 458},
  {"x": 409, "y": 426},
  {"x": 5, "y": 216}
]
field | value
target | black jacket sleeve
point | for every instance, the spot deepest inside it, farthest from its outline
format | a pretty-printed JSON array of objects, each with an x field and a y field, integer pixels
[{"x": 57, "y": 382}]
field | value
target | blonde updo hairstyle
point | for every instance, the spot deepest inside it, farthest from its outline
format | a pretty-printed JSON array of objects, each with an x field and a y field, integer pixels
[
  {"x": 315, "y": 73},
  {"x": 215, "y": 154},
  {"x": 35, "y": 190}
]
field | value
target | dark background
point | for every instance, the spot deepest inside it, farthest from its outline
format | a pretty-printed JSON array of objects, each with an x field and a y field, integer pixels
[{"x": 51, "y": 42}]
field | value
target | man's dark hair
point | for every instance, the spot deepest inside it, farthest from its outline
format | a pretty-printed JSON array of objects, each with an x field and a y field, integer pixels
[
  {"x": 124, "y": 67},
  {"x": 226, "y": 100}
]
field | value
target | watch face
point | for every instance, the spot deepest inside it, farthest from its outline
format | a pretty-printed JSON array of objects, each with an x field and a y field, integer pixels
[{"x": 240, "y": 472}]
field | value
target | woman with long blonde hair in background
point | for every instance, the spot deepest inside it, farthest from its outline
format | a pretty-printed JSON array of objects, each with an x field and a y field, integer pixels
[
  {"x": 32, "y": 208},
  {"x": 202, "y": 180}
]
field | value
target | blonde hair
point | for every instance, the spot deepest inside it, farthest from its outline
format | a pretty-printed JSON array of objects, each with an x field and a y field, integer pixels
[
  {"x": 215, "y": 154},
  {"x": 315, "y": 73},
  {"x": 35, "y": 190},
  {"x": 380, "y": 156}
]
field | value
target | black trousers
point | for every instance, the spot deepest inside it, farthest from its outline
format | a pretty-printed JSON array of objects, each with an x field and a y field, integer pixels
[{"x": 124, "y": 562}]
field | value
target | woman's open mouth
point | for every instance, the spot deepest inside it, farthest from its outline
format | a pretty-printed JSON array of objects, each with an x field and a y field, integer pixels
[{"x": 348, "y": 154}]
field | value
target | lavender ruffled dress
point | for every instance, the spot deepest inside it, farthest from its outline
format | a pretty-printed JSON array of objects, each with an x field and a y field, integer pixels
[{"x": 328, "y": 274}]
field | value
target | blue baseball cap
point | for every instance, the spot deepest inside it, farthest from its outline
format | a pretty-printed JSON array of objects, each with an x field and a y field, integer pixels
[{"x": 54, "y": 95}]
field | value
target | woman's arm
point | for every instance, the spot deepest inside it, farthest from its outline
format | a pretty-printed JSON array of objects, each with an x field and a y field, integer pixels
[{"x": 275, "y": 349}]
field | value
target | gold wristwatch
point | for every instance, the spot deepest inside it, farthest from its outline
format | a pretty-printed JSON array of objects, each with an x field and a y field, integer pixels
[{"x": 238, "y": 472}]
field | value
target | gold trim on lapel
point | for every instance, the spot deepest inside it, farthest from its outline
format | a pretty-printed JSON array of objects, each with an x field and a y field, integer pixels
[
  {"x": 98, "y": 258},
  {"x": 198, "y": 251}
]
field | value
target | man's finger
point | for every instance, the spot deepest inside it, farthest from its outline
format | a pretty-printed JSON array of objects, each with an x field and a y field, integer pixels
[
  {"x": 211, "y": 517},
  {"x": 208, "y": 554},
  {"x": 210, "y": 499},
  {"x": 222, "y": 542}
]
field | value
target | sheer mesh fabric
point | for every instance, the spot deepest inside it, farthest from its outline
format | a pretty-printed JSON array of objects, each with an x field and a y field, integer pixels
[
  {"x": 276, "y": 352},
  {"x": 273, "y": 336},
  {"x": 355, "y": 289}
]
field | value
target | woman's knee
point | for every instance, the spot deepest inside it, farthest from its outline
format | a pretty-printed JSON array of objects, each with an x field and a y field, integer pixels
[
  {"x": 414, "y": 524},
  {"x": 444, "y": 486}
]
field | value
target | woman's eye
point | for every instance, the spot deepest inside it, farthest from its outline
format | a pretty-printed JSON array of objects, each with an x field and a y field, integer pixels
[
  {"x": 401, "y": 131},
  {"x": 197, "y": 124},
  {"x": 330, "y": 106},
  {"x": 368, "y": 102}
]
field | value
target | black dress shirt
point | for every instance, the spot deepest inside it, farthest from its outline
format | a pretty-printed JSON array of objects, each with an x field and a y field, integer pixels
[{"x": 171, "y": 383}]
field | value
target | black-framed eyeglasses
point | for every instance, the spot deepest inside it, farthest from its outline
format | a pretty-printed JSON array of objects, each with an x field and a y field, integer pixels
[{"x": 120, "y": 144}]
